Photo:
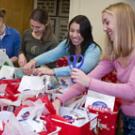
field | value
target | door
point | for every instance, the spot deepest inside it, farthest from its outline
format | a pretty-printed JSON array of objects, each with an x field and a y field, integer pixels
[{"x": 17, "y": 13}]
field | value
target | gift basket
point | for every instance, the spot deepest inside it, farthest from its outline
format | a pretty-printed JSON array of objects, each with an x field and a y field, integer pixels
[{"x": 8, "y": 94}]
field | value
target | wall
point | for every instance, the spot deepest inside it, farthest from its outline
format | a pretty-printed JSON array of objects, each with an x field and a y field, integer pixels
[
  {"x": 92, "y": 9},
  {"x": 59, "y": 14}
]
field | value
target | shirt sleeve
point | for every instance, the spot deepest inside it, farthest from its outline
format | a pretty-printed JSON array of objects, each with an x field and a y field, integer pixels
[
  {"x": 52, "y": 55},
  {"x": 17, "y": 43},
  {"x": 122, "y": 90},
  {"x": 62, "y": 71},
  {"x": 73, "y": 91},
  {"x": 102, "y": 68},
  {"x": 91, "y": 58},
  {"x": 22, "y": 48}
]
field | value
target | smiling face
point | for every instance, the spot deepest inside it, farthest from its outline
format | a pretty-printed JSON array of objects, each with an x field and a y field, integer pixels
[
  {"x": 108, "y": 25},
  {"x": 75, "y": 35},
  {"x": 37, "y": 27}
]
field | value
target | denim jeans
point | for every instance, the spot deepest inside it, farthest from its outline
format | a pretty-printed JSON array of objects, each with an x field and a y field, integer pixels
[{"x": 128, "y": 124}]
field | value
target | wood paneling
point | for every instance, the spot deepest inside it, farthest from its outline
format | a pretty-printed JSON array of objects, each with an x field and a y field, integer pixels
[{"x": 18, "y": 12}]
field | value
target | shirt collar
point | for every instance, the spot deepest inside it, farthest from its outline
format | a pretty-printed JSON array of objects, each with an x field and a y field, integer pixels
[{"x": 7, "y": 31}]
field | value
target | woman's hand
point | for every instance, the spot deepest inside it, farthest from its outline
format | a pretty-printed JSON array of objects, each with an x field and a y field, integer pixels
[
  {"x": 57, "y": 104},
  {"x": 29, "y": 67},
  {"x": 80, "y": 77},
  {"x": 14, "y": 59},
  {"x": 22, "y": 60},
  {"x": 43, "y": 71}
]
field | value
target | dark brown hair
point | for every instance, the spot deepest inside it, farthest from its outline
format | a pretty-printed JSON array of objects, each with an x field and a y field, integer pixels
[
  {"x": 85, "y": 31},
  {"x": 2, "y": 12},
  {"x": 41, "y": 16}
]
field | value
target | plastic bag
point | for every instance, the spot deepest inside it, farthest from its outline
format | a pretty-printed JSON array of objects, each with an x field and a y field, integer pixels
[{"x": 12, "y": 126}]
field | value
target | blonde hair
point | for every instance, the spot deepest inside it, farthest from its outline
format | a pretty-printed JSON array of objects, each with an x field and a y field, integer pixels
[{"x": 124, "y": 37}]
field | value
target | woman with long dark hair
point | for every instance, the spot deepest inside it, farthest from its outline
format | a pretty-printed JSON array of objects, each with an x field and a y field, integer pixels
[
  {"x": 119, "y": 25},
  {"x": 79, "y": 41}
]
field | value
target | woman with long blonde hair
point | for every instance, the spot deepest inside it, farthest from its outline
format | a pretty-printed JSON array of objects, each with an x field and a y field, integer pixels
[{"x": 119, "y": 25}]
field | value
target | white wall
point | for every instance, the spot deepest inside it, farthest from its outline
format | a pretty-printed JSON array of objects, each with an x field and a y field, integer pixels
[{"x": 92, "y": 9}]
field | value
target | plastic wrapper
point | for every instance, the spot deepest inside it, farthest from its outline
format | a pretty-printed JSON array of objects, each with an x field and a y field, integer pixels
[{"x": 12, "y": 126}]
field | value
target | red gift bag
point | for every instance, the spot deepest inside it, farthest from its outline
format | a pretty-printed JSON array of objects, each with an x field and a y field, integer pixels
[
  {"x": 107, "y": 120},
  {"x": 61, "y": 62},
  {"x": 50, "y": 126},
  {"x": 11, "y": 86},
  {"x": 11, "y": 89},
  {"x": 68, "y": 129},
  {"x": 84, "y": 128}
]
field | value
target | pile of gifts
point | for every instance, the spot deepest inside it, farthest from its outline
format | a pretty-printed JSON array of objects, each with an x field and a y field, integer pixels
[
  {"x": 35, "y": 113},
  {"x": 26, "y": 107},
  {"x": 31, "y": 117},
  {"x": 24, "y": 110}
]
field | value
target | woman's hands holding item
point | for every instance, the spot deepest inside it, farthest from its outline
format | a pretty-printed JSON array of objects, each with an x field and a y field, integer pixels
[
  {"x": 57, "y": 104},
  {"x": 43, "y": 71},
  {"x": 80, "y": 77},
  {"x": 29, "y": 67},
  {"x": 22, "y": 60},
  {"x": 14, "y": 59}
]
